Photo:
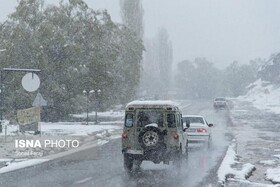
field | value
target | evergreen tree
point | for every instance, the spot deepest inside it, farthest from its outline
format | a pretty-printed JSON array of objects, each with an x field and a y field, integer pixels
[{"x": 77, "y": 49}]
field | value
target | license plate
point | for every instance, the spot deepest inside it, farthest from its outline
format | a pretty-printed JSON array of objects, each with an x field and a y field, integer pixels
[
  {"x": 134, "y": 151},
  {"x": 191, "y": 130}
]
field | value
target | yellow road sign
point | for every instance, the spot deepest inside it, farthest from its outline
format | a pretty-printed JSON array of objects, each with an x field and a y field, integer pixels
[{"x": 28, "y": 116}]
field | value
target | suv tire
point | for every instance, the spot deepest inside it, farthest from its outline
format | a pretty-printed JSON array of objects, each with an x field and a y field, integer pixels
[
  {"x": 128, "y": 162},
  {"x": 178, "y": 159},
  {"x": 150, "y": 137}
]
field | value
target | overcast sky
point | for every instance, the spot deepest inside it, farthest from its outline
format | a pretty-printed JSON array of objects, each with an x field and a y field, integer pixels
[{"x": 220, "y": 30}]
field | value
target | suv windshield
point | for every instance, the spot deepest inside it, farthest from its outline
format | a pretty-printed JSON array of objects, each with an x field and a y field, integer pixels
[{"x": 146, "y": 117}]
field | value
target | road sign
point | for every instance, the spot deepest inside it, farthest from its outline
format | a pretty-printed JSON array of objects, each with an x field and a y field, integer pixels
[
  {"x": 39, "y": 101},
  {"x": 28, "y": 116},
  {"x": 30, "y": 82}
]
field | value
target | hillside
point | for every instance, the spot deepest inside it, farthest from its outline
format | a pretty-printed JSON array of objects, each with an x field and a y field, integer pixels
[{"x": 265, "y": 92}]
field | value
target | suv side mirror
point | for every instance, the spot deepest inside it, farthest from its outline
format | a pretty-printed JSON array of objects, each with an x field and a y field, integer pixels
[
  {"x": 188, "y": 124},
  {"x": 210, "y": 125}
]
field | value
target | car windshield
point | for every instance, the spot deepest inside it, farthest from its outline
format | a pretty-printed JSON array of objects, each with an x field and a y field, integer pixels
[
  {"x": 194, "y": 119},
  {"x": 146, "y": 117}
]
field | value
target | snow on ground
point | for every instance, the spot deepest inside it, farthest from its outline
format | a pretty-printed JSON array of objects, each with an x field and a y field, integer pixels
[
  {"x": 277, "y": 156},
  {"x": 226, "y": 166},
  {"x": 264, "y": 96},
  {"x": 273, "y": 174},
  {"x": 227, "y": 169},
  {"x": 256, "y": 131},
  {"x": 67, "y": 128},
  {"x": 73, "y": 129},
  {"x": 10, "y": 129},
  {"x": 21, "y": 164},
  {"x": 112, "y": 114},
  {"x": 246, "y": 183},
  {"x": 268, "y": 162}
]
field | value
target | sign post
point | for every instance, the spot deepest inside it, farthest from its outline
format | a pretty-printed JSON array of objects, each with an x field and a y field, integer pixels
[
  {"x": 28, "y": 118},
  {"x": 39, "y": 101},
  {"x": 32, "y": 71},
  {"x": 5, "y": 133}
]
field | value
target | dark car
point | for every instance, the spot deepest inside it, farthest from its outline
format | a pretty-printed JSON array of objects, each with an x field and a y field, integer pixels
[{"x": 220, "y": 103}]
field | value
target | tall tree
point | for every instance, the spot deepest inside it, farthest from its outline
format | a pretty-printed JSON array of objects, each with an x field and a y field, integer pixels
[
  {"x": 132, "y": 16},
  {"x": 157, "y": 65},
  {"x": 164, "y": 56},
  {"x": 198, "y": 79}
]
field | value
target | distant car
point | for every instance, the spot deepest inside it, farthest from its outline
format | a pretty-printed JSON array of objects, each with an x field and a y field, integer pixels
[
  {"x": 220, "y": 103},
  {"x": 199, "y": 130}
]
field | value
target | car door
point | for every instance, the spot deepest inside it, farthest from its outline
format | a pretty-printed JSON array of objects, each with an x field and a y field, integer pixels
[{"x": 182, "y": 134}]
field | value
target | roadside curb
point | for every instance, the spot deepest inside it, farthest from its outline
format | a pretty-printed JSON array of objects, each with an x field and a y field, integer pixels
[{"x": 226, "y": 171}]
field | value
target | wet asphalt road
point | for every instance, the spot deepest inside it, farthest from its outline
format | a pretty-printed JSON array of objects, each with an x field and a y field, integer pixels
[{"x": 103, "y": 166}]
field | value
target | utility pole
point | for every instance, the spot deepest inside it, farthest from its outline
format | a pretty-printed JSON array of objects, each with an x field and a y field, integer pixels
[
  {"x": 1, "y": 91},
  {"x": 88, "y": 93},
  {"x": 1, "y": 100}
]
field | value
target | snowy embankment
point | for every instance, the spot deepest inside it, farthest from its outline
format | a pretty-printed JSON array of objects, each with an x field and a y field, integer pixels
[
  {"x": 273, "y": 175},
  {"x": 103, "y": 116},
  {"x": 227, "y": 169},
  {"x": 15, "y": 164},
  {"x": 257, "y": 137},
  {"x": 264, "y": 96},
  {"x": 67, "y": 128},
  {"x": 76, "y": 129}
]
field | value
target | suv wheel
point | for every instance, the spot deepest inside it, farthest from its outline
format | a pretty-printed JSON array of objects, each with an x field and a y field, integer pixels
[
  {"x": 178, "y": 159},
  {"x": 150, "y": 137},
  {"x": 138, "y": 163},
  {"x": 128, "y": 162}
]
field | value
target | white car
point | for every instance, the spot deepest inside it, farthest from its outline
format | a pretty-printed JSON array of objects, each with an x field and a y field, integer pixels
[{"x": 199, "y": 130}]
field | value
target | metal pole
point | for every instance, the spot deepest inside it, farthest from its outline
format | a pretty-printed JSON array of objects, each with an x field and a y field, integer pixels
[
  {"x": 5, "y": 133},
  {"x": 1, "y": 100},
  {"x": 87, "y": 107},
  {"x": 96, "y": 121}
]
